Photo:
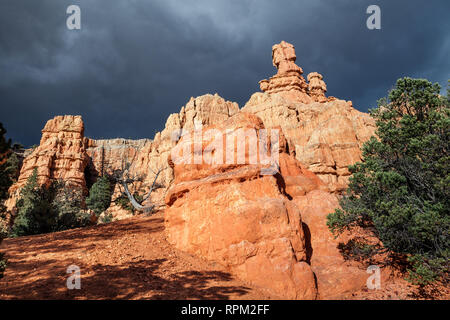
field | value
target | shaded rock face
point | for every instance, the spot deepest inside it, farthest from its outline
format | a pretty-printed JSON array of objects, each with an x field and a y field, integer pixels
[
  {"x": 234, "y": 215},
  {"x": 61, "y": 154}
]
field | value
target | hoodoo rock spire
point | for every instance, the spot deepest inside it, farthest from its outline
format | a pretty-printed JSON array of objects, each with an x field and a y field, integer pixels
[{"x": 289, "y": 82}]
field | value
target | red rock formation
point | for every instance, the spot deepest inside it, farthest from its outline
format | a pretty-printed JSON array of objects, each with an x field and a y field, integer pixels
[
  {"x": 148, "y": 156},
  {"x": 317, "y": 87},
  {"x": 325, "y": 137},
  {"x": 288, "y": 81},
  {"x": 232, "y": 214},
  {"x": 61, "y": 154},
  {"x": 108, "y": 155}
]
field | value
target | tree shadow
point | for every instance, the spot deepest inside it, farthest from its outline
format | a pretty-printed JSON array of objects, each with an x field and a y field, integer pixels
[{"x": 144, "y": 279}]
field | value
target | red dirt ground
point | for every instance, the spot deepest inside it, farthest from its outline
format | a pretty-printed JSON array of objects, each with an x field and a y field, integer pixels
[
  {"x": 127, "y": 259},
  {"x": 130, "y": 259}
]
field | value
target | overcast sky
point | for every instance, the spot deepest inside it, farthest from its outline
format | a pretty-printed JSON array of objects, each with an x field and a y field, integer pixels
[{"x": 134, "y": 62}]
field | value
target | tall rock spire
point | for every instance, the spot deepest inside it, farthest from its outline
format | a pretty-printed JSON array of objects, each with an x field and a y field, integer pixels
[{"x": 288, "y": 81}]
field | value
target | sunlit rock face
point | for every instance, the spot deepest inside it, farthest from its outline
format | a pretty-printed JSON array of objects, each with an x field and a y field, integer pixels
[
  {"x": 324, "y": 137},
  {"x": 236, "y": 216}
]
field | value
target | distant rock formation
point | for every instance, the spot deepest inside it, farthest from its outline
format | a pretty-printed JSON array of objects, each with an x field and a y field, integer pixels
[{"x": 61, "y": 154}]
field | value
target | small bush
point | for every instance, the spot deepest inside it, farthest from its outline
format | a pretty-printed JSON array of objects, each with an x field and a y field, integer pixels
[
  {"x": 105, "y": 218},
  {"x": 99, "y": 196},
  {"x": 3, "y": 234},
  {"x": 125, "y": 203}
]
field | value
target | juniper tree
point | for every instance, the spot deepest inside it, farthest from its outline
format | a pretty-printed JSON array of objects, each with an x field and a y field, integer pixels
[
  {"x": 8, "y": 166},
  {"x": 34, "y": 214},
  {"x": 42, "y": 209},
  {"x": 99, "y": 197},
  {"x": 67, "y": 206},
  {"x": 401, "y": 188}
]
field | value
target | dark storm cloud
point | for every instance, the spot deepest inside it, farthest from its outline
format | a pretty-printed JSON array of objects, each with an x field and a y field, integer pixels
[{"x": 135, "y": 62}]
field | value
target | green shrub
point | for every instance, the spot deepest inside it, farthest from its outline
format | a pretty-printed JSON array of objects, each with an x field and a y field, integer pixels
[
  {"x": 105, "y": 218},
  {"x": 67, "y": 205},
  {"x": 43, "y": 209},
  {"x": 9, "y": 168},
  {"x": 401, "y": 189},
  {"x": 99, "y": 196},
  {"x": 125, "y": 203}
]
